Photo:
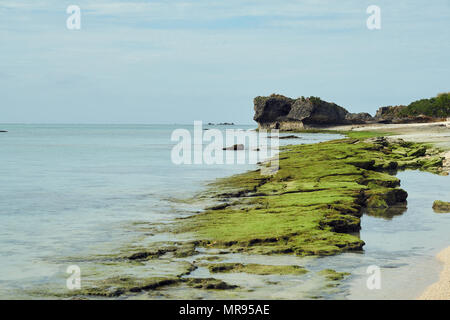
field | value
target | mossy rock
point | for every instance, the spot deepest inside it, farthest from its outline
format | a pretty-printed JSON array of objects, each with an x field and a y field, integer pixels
[
  {"x": 178, "y": 250},
  {"x": 441, "y": 206},
  {"x": 333, "y": 275},
  {"x": 117, "y": 286},
  {"x": 419, "y": 152},
  {"x": 313, "y": 204},
  {"x": 258, "y": 269},
  {"x": 210, "y": 258},
  {"x": 341, "y": 222},
  {"x": 208, "y": 284}
]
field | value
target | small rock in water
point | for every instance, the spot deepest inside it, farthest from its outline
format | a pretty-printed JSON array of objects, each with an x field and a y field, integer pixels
[
  {"x": 235, "y": 147},
  {"x": 284, "y": 137},
  {"x": 441, "y": 206}
]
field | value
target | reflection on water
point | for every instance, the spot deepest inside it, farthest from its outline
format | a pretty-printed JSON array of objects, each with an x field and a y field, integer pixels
[{"x": 387, "y": 213}]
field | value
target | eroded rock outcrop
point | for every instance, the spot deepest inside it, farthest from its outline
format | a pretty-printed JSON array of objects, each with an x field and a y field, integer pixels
[{"x": 277, "y": 111}]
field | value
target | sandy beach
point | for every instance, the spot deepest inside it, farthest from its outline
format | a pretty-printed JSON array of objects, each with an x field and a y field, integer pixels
[
  {"x": 434, "y": 132},
  {"x": 441, "y": 289}
]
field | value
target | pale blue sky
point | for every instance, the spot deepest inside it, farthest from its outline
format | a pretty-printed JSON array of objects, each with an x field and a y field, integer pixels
[{"x": 169, "y": 61}]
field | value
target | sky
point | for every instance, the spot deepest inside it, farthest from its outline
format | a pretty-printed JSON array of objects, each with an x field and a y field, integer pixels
[{"x": 170, "y": 61}]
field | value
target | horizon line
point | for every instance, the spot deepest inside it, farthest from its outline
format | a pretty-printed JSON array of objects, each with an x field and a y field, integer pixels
[{"x": 117, "y": 123}]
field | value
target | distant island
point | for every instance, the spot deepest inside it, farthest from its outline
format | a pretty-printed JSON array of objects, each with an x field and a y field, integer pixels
[
  {"x": 280, "y": 112},
  {"x": 221, "y": 124}
]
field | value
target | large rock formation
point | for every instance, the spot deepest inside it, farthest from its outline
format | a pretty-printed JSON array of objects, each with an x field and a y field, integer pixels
[
  {"x": 277, "y": 111},
  {"x": 280, "y": 112}
]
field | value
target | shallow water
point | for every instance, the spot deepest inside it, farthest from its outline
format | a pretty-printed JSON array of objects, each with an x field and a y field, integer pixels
[
  {"x": 406, "y": 245},
  {"x": 79, "y": 190}
]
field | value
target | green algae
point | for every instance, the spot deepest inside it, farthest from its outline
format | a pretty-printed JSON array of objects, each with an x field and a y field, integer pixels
[
  {"x": 313, "y": 204},
  {"x": 157, "y": 250},
  {"x": 365, "y": 134},
  {"x": 208, "y": 284},
  {"x": 333, "y": 275},
  {"x": 119, "y": 286},
  {"x": 441, "y": 206},
  {"x": 210, "y": 258},
  {"x": 258, "y": 269},
  {"x": 130, "y": 285}
]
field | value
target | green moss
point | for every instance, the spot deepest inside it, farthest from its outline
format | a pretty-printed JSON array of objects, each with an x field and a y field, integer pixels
[
  {"x": 178, "y": 250},
  {"x": 441, "y": 206},
  {"x": 117, "y": 286},
  {"x": 210, "y": 258},
  {"x": 256, "y": 269},
  {"x": 208, "y": 284},
  {"x": 333, "y": 275},
  {"x": 312, "y": 205},
  {"x": 364, "y": 134}
]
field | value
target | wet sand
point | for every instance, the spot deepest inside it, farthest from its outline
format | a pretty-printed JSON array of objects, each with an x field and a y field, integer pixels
[{"x": 441, "y": 289}]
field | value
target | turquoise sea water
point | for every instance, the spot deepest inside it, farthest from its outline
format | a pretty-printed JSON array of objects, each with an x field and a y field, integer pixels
[{"x": 74, "y": 189}]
